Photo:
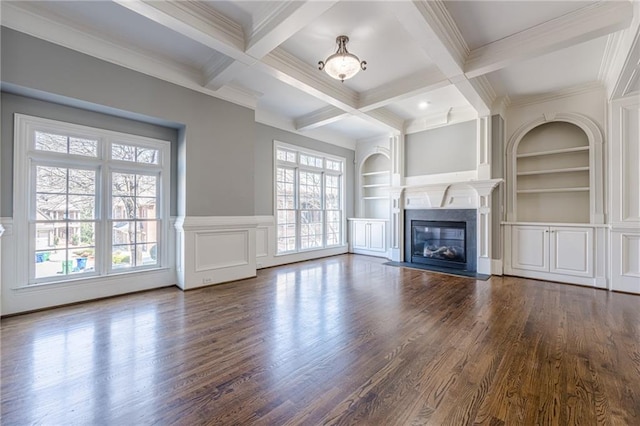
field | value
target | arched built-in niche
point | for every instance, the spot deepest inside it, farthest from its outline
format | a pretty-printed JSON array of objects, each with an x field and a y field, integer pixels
[
  {"x": 374, "y": 179},
  {"x": 554, "y": 171}
]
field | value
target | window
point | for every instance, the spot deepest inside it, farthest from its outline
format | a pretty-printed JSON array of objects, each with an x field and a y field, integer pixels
[
  {"x": 309, "y": 200},
  {"x": 92, "y": 202}
]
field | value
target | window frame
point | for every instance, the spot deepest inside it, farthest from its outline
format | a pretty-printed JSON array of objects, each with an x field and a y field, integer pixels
[
  {"x": 297, "y": 167},
  {"x": 27, "y": 158}
]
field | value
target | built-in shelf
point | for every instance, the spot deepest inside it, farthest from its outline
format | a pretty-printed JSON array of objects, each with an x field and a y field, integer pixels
[
  {"x": 564, "y": 170},
  {"x": 540, "y": 191},
  {"x": 376, "y": 198},
  {"x": 554, "y": 151},
  {"x": 383, "y": 172},
  {"x": 376, "y": 185}
]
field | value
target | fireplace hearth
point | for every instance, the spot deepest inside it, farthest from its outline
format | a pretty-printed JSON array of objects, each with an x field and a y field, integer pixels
[{"x": 442, "y": 238}]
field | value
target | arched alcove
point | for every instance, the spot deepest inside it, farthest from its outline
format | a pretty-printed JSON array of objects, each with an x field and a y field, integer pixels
[
  {"x": 554, "y": 171},
  {"x": 375, "y": 178}
]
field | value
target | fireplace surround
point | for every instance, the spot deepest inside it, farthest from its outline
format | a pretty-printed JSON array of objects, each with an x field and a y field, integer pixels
[{"x": 443, "y": 238}]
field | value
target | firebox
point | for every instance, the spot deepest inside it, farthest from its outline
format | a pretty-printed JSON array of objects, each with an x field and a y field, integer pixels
[
  {"x": 439, "y": 243},
  {"x": 441, "y": 238}
]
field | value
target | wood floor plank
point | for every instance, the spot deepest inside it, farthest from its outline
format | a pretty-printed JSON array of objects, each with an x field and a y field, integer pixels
[{"x": 340, "y": 340}]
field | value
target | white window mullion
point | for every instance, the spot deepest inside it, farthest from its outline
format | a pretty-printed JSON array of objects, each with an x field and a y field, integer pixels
[
  {"x": 79, "y": 209},
  {"x": 313, "y": 166}
]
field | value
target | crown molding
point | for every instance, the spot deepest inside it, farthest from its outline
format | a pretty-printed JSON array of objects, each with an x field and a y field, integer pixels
[
  {"x": 440, "y": 119},
  {"x": 281, "y": 22},
  {"x": 324, "y": 135},
  {"x": 585, "y": 24},
  {"x": 239, "y": 95},
  {"x": 382, "y": 115},
  {"x": 435, "y": 31},
  {"x": 318, "y": 118},
  {"x": 441, "y": 22},
  {"x": 403, "y": 88},
  {"x": 221, "y": 72},
  {"x": 581, "y": 89},
  {"x": 613, "y": 45},
  {"x": 197, "y": 21},
  {"x": 275, "y": 13},
  {"x": 383, "y": 138},
  {"x": 625, "y": 66},
  {"x": 477, "y": 93},
  {"x": 21, "y": 18},
  {"x": 484, "y": 88},
  {"x": 293, "y": 71}
]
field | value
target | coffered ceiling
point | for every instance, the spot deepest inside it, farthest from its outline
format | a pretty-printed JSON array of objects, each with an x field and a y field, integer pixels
[{"x": 429, "y": 62}]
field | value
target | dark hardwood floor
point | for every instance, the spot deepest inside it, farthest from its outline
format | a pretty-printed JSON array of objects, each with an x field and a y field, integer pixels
[{"x": 342, "y": 340}]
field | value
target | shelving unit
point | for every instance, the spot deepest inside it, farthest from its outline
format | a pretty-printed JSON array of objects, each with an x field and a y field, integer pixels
[
  {"x": 552, "y": 175},
  {"x": 375, "y": 179},
  {"x": 554, "y": 229}
]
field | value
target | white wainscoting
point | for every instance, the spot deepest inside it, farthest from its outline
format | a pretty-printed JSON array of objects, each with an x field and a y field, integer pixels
[
  {"x": 215, "y": 249},
  {"x": 624, "y": 188},
  {"x": 625, "y": 260},
  {"x": 19, "y": 297},
  {"x": 266, "y": 246}
]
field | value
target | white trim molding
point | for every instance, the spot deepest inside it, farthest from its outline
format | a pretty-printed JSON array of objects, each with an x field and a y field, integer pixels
[{"x": 215, "y": 249}]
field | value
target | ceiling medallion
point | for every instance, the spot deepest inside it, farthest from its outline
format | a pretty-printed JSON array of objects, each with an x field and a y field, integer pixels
[{"x": 342, "y": 65}]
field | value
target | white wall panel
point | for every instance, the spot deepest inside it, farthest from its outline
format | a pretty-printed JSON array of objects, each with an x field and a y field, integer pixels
[
  {"x": 216, "y": 249},
  {"x": 221, "y": 249},
  {"x": 624, "y": 186}
]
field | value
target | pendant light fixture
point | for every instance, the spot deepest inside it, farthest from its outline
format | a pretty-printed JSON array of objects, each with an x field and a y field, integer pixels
[{"x": 342, "y": 65}]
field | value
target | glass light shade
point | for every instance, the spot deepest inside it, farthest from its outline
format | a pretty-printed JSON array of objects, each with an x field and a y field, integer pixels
[{"x": 342, "y": 66}]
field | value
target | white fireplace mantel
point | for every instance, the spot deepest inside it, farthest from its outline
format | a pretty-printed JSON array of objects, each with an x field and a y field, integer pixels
[
  {"x": 471, "y": 194},
  {"x": 453, "y": 195}
]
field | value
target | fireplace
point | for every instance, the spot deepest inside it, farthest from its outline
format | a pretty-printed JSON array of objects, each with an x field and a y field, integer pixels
[
  {"x": 442, "y": 238},
  {"x": 438, "y": 243}
]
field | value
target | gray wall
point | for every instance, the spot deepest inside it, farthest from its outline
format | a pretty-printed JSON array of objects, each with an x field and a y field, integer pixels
[
  {"x": 11, "y": 104},
  {"x": 216, "y": 146},
  {"x": 265, "y": 135},
  {"x": 441, "y": 150}
]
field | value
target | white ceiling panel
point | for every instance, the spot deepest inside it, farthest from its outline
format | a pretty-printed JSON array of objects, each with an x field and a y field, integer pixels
[
  {"x": 483, "y": 22},
  {"x": 277, "y": 97},
  {"x": 249, "y": 14},
  {"x": 565, "y": 68},
  {"x": 428, "y": 103},
  {"x": 375, "y": 36},
  {"x": 357, "y": 128}
]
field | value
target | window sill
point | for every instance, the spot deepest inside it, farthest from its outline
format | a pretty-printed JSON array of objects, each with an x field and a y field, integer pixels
[{"x": 89, "y": 281}]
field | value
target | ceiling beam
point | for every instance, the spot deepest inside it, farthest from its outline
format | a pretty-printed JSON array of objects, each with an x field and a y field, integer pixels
[
  {"x": 221, "y": 70},
  {"x": 197, "y": 22},
  {"x": 585, "y": 24},
  {"x": 288, "y": 18},
  {"x": 321, "y": 117},
  {"x": 435, "y": 31}
]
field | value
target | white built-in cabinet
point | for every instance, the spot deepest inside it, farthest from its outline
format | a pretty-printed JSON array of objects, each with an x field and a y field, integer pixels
[
  {"x": 368, "y": 236},
  {"x": 368, "y": 231},
  {"x": 554, "y": 229},
  {"x": 552, "y": 251}
]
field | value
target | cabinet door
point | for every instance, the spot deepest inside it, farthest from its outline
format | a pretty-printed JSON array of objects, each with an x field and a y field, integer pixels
[
  {"x": 571, "y": 251},
  {"x": 376, "y": 236},
  {"x": 530, "y": 248},
  {"x": 359, "y": 234}
]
